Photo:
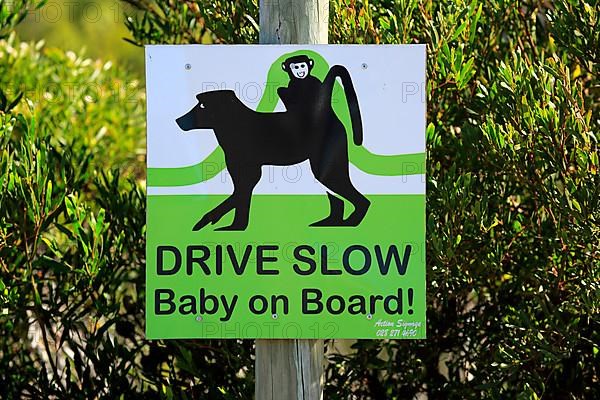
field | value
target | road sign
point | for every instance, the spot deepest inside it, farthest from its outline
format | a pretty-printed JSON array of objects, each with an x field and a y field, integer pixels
[{"x": 286, "y": 191}]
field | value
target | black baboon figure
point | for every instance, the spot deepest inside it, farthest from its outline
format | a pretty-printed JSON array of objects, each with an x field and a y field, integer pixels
[
  {"x": 310, "y": 100},
  {"x": 308, "y": 130}
]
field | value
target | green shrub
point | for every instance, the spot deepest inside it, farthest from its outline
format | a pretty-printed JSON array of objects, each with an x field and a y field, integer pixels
[
  {"x": 83, "y": 102},
  {"x": 94, "y": 25},
  {"x": 513, "y": 213},
  {"x": 172, "y": 21}
]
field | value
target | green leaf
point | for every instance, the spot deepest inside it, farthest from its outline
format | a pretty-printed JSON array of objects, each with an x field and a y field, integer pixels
[
  {"x": 459, "y": 30},
  {"x": 48, "y": 200}
]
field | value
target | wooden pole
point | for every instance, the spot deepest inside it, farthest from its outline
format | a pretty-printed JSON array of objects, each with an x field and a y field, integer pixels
[
  {"x": 291, "y": 369},
  {"x": 293, "y": 21}
]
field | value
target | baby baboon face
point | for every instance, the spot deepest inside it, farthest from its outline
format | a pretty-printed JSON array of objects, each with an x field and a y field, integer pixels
[
  {"x": 300, "y": 70},
  {"x": 298, "y": 67}
]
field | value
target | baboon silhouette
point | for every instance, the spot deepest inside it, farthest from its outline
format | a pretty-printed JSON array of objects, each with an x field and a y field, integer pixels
[
  {"x": 309, "y": 100},
  {"x": 308, "y": 130}
]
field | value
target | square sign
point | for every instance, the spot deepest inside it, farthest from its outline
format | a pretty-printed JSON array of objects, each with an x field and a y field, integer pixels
[{"x": 286, "y": 191}]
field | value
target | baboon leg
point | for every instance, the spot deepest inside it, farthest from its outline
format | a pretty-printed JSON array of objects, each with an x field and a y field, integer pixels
[
  {"x": 244, "y": 181},
  {"x": 334, "y": 174},
  {"x": 336, "y": 212},
  {"x": 349, "y": 192},
  {"x": 361, "y": 205},
  {"x": 215, "y": 214}
]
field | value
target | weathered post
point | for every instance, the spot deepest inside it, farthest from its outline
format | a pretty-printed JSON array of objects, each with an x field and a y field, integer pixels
[
  {"x": 294, "y": 21},
  {"x": 291, "y": 369}
]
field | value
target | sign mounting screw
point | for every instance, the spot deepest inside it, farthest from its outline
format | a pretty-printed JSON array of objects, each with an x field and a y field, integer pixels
[
  {"x": 364, "y": 66},
  {"x": 274, "y": 316},
  {"x": 199, "y": 318},
  {"x": 188, "y": 66}
]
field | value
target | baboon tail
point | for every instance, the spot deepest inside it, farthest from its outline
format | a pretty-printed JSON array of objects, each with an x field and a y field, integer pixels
[{"x": 341, "y": 72}]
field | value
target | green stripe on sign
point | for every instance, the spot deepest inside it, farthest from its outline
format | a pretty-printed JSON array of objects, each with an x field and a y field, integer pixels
[
  {"x": 184, "y": 176},
  {"x": 360, "y": 157},
  {"x": 395, "y": 165},
  {"x": 392, "y": 165}
]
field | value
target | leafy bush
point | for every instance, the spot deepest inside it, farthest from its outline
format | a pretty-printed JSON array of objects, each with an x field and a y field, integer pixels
[
  {"x": 78, "y": 98},
  {"x": 513, "y": 214},
  {"x": 94, "y": 25},
  {"x": 172, "y": 21}
]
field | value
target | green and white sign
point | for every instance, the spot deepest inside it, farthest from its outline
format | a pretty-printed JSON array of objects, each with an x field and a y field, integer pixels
[{"x": 286, "y": 192}]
